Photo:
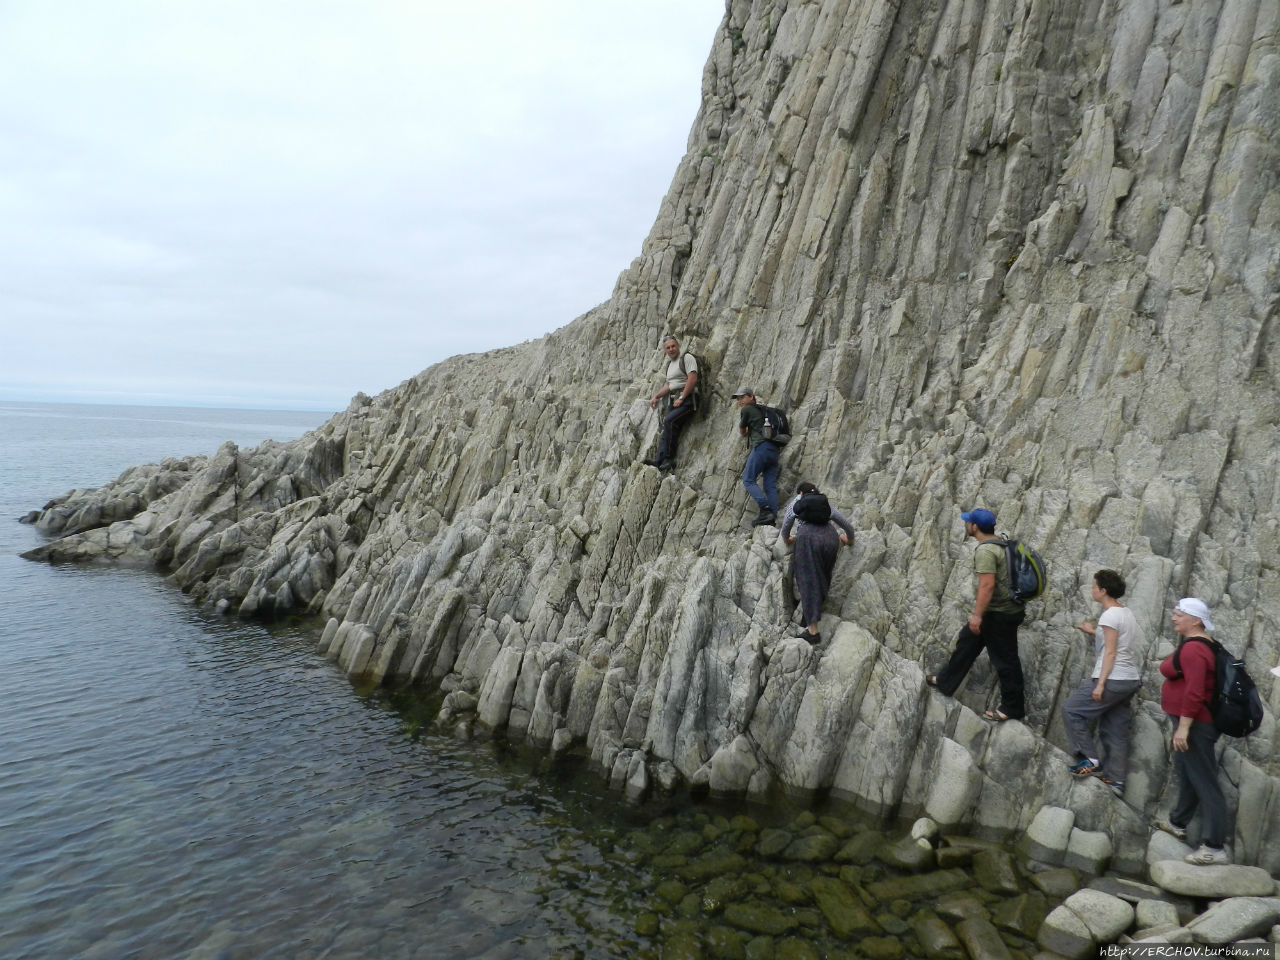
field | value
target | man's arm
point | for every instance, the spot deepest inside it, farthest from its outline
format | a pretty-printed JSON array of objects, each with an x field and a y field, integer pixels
[
  {"x": 986, "y": 587},
  {"x": 666, "y": 388}
]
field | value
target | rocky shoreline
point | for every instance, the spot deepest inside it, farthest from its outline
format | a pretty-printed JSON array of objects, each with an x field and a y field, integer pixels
[
  {"x": 1017, "y": 256},
  {"x": 829, "y": 886}
]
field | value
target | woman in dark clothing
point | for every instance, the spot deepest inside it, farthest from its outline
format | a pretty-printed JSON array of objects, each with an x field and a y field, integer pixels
[
  {"x": 816, "y": 547},
  {"x": 1185, "y": 697}
]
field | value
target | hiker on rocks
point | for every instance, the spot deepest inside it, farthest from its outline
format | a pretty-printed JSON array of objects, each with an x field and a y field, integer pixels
[
  {"x": 761, "y": 460},
  {"x": 1104, "y": 698},
  {"x": 992, "y": 625},
  {"x": 1187, "y": 692},
  {"x": 681, "y": 379},
  {"x": 817, "y": 544}
]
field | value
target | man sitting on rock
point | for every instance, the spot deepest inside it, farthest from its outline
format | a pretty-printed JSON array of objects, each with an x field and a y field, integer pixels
[
  {"x": 761, "y": 460},
  {"x": 681, "y": 378}
]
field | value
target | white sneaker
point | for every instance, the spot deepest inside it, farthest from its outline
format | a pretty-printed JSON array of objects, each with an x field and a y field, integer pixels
[{"x": 1207, "y": 855}]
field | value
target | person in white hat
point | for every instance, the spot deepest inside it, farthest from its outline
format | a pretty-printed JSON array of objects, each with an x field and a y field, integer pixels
[{"x": 1185, "y": 697}]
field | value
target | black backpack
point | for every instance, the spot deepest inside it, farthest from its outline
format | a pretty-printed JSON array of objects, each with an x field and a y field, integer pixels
[
  {"x": 702, "y": 388},
  {"x": 813, "y": 508},
  {"x": 1236, "y": 705},
  {"x": 1028, "y": 575},
  {"x": 776, "y": 426}
]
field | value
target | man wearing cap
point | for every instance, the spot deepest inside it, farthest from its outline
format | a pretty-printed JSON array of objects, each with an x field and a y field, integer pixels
[
  {"x": 993, "y": 624},
  {"x": 762, "y": 458},
  {"x": 681, "y": 378}
]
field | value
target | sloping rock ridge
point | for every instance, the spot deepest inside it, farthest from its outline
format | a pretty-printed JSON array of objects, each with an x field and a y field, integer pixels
[{"x": 1017, "y": 254}]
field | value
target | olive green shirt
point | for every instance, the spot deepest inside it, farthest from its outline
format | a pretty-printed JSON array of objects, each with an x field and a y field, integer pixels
[{"x": 990, "y": 557}]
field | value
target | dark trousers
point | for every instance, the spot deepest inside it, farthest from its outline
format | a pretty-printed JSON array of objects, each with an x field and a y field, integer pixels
[
  {"x": 1114, "y": 718},
  {"x": 1197, "y": 772},
  {"x": 999, "y": 637},
  {"x": 672, "y": 424}
]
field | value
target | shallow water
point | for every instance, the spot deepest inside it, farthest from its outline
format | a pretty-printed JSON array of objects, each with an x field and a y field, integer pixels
[{"x": 176, "y": 784}]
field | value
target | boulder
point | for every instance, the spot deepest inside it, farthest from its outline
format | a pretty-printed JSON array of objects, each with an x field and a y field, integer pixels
[
  {"x": 982, "y": 939},
  {"x": 1234, "y": 919},
  {"x": 1089, "y": 851},
  {"x": 1083, "y": 921},
  {"x": 1216, "y": 882},
  {"x": 1048, "y": 835}
]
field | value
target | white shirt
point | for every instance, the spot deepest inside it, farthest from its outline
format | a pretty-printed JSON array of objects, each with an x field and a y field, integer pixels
[{"x": 1127, "y": 665}]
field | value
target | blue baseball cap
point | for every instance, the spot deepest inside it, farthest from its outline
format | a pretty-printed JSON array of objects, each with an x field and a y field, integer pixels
[{"x": 984, "y": 520}]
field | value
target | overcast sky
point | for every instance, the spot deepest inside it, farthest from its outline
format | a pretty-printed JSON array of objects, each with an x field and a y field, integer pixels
[{"x": 281, "y": 203}]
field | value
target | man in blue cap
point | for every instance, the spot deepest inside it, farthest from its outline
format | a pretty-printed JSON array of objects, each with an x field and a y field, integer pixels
[{"x": 993, "y": 625}]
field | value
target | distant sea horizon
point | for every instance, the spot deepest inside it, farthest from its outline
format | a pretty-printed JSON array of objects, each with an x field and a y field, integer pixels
[{"x": 177, "y": 402}]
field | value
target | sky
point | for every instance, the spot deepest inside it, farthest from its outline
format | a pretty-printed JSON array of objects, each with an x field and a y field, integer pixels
[{"x": 279, "y": 204}]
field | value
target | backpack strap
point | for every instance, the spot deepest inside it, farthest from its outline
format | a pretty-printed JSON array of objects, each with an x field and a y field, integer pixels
[{"x": 1177, "y": 662}]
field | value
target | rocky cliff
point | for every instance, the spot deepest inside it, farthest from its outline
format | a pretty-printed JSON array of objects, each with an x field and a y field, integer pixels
[{"x": 1020, "y": 253}]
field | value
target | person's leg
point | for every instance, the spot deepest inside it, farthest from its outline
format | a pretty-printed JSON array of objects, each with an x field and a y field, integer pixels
[
  {"x": 1113, "y": 726},
  {"x": 769, "y": 467},
  {"x": 749, "y": 473},
  {"x": 1201, "y": 764},
  {"x": 672, "y": 424},
  {"x": 1188, "y": 802},
  {"x": 968, "y": 646},
  {"x": 1001, "y": 631},
  {"x": 1077, "y": 711}
]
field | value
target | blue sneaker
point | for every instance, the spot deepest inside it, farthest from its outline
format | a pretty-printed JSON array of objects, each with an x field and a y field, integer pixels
[{"x": 1084, "y": 768}]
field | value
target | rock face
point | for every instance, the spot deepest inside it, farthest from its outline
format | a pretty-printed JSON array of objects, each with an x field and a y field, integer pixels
[{"x": 1017, "y": 254}]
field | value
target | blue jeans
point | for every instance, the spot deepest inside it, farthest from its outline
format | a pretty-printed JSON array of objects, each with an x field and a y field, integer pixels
[{"x": 763, "y": 459}]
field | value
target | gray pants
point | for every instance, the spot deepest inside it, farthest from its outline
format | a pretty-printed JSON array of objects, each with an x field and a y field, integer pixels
[
  {"x": 1198, "y": 789},
  {"x": 1113, "y": 717}
]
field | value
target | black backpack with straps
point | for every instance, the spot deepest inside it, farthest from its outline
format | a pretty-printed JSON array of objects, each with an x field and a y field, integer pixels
[
  {"x": 1235, "y": 704},
  {"x": 776, "y": 426},
  {"x": 813, "y": 508}
]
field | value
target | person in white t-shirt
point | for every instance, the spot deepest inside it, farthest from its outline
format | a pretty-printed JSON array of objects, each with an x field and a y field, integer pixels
[
  {"x": 677, "y": 389},
  {"x": 1105, "y": 696}
]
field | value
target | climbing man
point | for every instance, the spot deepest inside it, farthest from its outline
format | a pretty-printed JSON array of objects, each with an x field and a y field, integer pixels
[
  {"x": 992, "y": 625},
  {"x": 681, "y": 379},
  {"x": 762, "y": 458}
]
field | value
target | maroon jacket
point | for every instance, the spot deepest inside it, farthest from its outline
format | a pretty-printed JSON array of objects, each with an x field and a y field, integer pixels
[{"x": 1190, "y": 694}]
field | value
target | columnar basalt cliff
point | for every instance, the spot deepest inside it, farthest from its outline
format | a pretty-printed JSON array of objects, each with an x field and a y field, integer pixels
[{"x": 1022, "y": 254}]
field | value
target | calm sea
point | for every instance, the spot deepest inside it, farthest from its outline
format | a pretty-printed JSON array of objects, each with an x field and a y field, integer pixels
[{"x": 176, "y": 784}]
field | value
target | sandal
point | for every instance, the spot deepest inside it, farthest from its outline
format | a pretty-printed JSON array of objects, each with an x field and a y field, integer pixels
[{"x": 996, "y": 716}]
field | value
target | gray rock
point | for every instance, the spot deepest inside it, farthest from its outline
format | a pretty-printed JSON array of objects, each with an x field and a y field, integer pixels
[
  {"x": 936, "y": 937},
  {"x": 1089, "y": 851},
  {"x": 1163, "y": 846},
  {"x": 1059, "y": 883},
  {"x": 1083, "y": 921},
  {"x": 1049, "y": 835},
  {"x": 1214, "y": 882},
  {"x": 981, "y": 939},
  {"x": 1235, "y": 919},
  {"x": 1156, "y": 913}
]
